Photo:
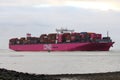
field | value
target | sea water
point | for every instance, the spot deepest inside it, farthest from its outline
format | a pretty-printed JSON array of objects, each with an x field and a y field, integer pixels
[{"x": 74, "y": 62}]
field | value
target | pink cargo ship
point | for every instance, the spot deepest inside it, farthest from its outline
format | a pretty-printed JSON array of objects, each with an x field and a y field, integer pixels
[{"x": 63, "y": 40}]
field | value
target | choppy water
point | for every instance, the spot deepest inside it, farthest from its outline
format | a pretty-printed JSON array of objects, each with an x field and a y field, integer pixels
[{"x": 61, "y": 62}]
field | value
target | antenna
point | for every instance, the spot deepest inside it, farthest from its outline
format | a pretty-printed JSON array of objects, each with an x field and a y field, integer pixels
[{"x": 107, "y": 33}]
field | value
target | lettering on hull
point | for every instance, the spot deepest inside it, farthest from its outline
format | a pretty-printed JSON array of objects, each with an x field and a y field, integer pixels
[{"x": 47, "y": 47}]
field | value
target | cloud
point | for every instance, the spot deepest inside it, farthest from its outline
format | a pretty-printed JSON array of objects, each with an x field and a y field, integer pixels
[
  {"x": 87, "y": 4},
  {"x": 50, "y": 2},
  {"x": 29, "y": 2},
  {"x": 98, "y": 5}
]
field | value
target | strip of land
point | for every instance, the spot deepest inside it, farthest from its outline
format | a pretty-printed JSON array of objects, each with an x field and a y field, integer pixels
[{"x": 13, "y": 75}]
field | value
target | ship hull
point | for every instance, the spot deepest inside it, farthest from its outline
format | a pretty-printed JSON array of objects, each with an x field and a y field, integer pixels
[{"x": 87, "y": 46}]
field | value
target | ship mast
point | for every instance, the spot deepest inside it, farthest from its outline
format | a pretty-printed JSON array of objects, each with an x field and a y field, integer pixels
[{"x": 107, "y": 33}]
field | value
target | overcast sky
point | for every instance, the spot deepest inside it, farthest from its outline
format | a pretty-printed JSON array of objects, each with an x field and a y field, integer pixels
[{"x": 18, "y": 17}]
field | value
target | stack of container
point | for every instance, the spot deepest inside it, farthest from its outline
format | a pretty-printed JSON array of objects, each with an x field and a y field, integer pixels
[
  {"x": 52, "y": 38},
  {"x": 21, "y": 40},
  {"x": 43, "y": 38},
  {"x": 59, "y": 38},
  {"x": 93, "y": 37},
  {"x": 66, "y": 37},
  {"x": 13, "y": 41},
  {"x": 84, "y": 36},
  {"x": 75, "y": 37},
  {"x": 99, "y": 36},
  {"x": 34, "y": 40}
]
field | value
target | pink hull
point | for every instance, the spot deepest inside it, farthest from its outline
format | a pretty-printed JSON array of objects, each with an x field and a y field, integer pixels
[{"x": 63, "y": 47}]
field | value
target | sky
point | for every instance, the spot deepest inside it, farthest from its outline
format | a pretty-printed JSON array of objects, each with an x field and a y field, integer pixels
[{"x": 18, "y": 17}]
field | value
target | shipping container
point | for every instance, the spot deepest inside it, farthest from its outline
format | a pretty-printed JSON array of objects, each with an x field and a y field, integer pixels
[
  {"x": 13, "y": 41},
  {"x": 60, "y": 38},
  {"x": 43, "y": 38},
  {"x": 52, "y": 38},
  {"x": 99, "y": 36},
  {"x": 66, "y": 37}
]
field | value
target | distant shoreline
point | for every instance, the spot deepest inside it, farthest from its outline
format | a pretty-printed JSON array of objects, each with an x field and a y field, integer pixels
[{"x": 13, "y": 75}]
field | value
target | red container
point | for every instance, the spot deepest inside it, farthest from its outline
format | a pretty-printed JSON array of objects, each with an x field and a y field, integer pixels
[
  {"x": 72, "y": 38},
  {"x": 59, "y": 38},
  {"x": 93, "y": 36},
  {"x": 99, "y": 36},
  {"x": 82, "y": 35}
]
